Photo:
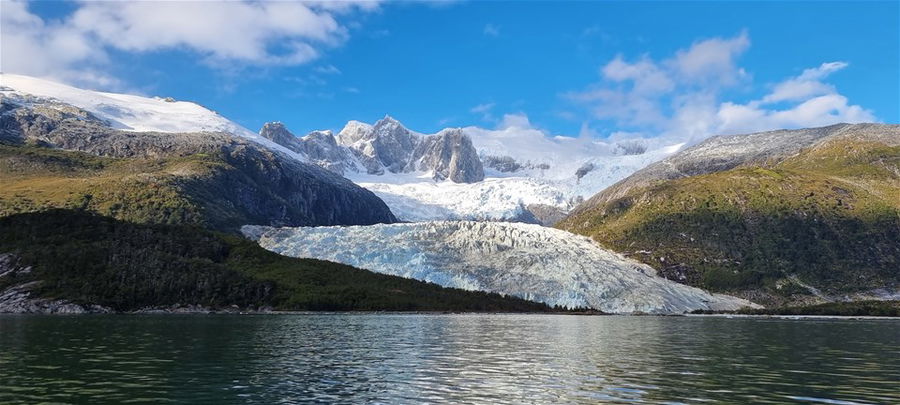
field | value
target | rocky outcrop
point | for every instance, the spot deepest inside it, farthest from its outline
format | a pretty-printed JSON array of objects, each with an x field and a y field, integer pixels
[
  {"x": 503, "y": 164},
  {"x": 390, "y": 143},
  {"x": 546, "y": 215},
  {"x": 320, "y": 147},
  {"x": 19, "y": 299},
  {"x": 278, "y": 133},
  {"x": 449, "y": 154}
]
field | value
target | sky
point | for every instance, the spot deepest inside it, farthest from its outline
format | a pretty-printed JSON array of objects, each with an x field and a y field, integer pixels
[{"x": 685, "y": 70}]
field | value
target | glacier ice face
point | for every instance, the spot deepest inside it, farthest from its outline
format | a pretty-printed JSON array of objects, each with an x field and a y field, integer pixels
[{"x": 528, "y": 261}]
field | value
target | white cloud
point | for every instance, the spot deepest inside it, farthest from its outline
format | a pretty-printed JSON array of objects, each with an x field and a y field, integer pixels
[
  {"x": 681, "y": 97},
  {"x": 711, "y": 60},
  {"x": 482, "y": 108},
  {"x": 30, "y": 45},
  {"x": 518, "y": 121},
  {"x": 816, "y": 104},
  {"x": 222, "y": 32},
  {"x": 491, "y": 30},
  {"x": 808, "y": 84},
  {"x": 646, "y": 75},
  {"x": 327, "y": 70}
]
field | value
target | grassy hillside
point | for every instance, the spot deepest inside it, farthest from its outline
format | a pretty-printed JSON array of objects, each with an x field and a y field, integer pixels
[
  {"x": 828, "y": 217},
  {"x": 137, "y": 190},
  {"x": 90, "y": 259}
]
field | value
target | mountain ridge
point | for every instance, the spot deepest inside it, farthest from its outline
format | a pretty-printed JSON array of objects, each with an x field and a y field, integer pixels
[
  {"x": 386, "y": 146},
  {"x": 819, "y": 221}
]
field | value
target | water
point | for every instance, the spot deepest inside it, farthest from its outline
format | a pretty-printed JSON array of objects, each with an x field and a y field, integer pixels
[{"x": 334, "y": 358}]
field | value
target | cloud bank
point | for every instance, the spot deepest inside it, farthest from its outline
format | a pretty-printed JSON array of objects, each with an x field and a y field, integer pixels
[
  {"x": 681, "y": 97},
  {"x": 75, "y": 48}
]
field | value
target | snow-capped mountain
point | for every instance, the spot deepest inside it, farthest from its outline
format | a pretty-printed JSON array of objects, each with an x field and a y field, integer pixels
[
  {"x": 244, "y": 177},
  {"x": 130, "y": 112},
  {"x": 385, "y": 148},
  {"x": 516, "y": 174},
  {"x": 524, "y": 260}
]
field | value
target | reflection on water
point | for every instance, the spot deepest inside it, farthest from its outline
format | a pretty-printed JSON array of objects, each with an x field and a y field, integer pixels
[{"x": 516, "y": 359}]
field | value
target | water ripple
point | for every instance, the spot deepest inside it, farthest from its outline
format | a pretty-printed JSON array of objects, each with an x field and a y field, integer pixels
[{"x": 466, "y": 359}]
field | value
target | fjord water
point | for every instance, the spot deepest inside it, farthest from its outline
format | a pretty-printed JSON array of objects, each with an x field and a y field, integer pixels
[{"x": 395, "y": 358}]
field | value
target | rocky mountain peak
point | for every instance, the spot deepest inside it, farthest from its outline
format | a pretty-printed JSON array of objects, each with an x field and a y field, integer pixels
[
  {"x": 353, "y": 132},
  {"x": 324, "y": 136},
  {"x": 449, "y": 154},
  {"x": 391, "y": 144},
  {"x": 277, "y": 132},
  {"x": 386, "y": 146}
]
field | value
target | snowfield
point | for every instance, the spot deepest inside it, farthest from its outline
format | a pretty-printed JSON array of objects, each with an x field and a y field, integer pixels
[
  {"x": 528, "y": 261},
  {"x": 416, "y": 197}
]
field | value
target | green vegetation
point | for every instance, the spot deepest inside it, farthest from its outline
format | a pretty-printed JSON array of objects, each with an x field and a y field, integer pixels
[
  {"x": 855, "y": 308},
  {"x": 90, "y": 259},
  {"x": 829, "y": 217},
  {"x": 138, "y": 190}
]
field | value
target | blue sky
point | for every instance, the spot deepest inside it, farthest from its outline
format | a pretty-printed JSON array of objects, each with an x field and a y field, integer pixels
[{"x": 589, "y": 68}]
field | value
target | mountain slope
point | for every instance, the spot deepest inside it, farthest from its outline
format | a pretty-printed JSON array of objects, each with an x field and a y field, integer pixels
[
  {"x": 211, "y": 178},
  {"x": 727, "y": 152},
  {"x": 73, "y": 261},
  {"x": 527, "y": 261},
  {"x": 792, "y": 222}
]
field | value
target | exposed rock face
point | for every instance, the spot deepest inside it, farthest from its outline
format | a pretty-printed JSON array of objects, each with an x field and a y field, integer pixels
[
  {"x": 503, "y": 164},
  {"x": 255, "y": 184},
  {"x": 321, "y": 148},
  {"x": 546, "y": 215},
  {"x": 18, "y": 298},
  {"x": 390, "y": 143},
  {"x": 387, "y": 146},
  {"x": 353, "y": 132},
  {"x": 450, "y": 155},
  {"x": 278, "y": 133}
]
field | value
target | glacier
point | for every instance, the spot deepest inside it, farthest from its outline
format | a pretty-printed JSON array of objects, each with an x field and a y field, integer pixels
[{"x": 524, "y": 260}]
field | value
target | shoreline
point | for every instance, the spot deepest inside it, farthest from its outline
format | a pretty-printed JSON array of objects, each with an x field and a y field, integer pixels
[{"x": 448, "y": 313}]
